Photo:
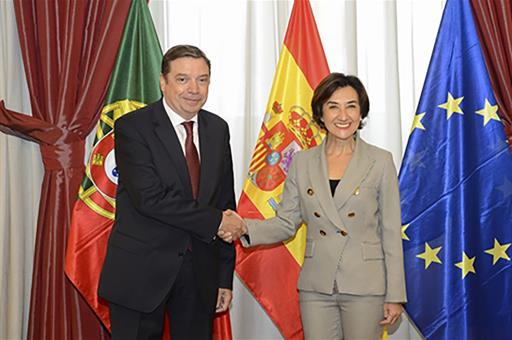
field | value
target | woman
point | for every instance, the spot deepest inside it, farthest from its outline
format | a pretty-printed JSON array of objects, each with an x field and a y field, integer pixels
[{"x": 352, "y": 281}]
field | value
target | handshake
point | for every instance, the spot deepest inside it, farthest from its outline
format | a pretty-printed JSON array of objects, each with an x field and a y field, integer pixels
[{"x": 232, "y": 226}]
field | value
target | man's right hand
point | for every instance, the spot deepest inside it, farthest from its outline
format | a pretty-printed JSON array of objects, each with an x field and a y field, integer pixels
[{"x": 232, "y": 226}]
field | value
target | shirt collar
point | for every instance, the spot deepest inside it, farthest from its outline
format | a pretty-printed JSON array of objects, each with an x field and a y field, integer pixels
[{"x": 175, "y": 118}]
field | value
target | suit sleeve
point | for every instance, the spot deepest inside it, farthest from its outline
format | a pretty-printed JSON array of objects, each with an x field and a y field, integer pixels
[
  {"x": 150, "y": 196},
  {"x": 390, "y": 223},
  {"x": 227, "y": 201},
  {"x": 288, "y": 216}
]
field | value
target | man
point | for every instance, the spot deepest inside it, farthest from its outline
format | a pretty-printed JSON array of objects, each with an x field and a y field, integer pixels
[{"x": 175, "y": 181}]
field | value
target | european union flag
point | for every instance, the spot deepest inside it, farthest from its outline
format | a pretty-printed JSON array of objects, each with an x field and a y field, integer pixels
[{"x": 456, "y": 194}]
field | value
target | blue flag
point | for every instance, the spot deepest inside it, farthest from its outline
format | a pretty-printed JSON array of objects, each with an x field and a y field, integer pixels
[{"x": 456, "y": 194}]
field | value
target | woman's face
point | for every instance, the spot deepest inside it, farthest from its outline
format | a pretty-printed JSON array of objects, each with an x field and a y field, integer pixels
[{"x": 341, "y": 113}]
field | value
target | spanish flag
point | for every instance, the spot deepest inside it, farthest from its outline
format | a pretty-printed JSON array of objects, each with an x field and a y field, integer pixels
[{"x": 271, "y": 273}]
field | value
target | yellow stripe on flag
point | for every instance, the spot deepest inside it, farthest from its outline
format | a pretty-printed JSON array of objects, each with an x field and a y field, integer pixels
[
  {"x": 288, "y": 72},
  {"x": 297, "y": 245},
  {"x": 261, "y": 198}
]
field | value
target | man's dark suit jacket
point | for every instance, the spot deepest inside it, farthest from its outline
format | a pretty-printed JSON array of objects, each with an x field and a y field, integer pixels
[{"x": 156, "y": 216}]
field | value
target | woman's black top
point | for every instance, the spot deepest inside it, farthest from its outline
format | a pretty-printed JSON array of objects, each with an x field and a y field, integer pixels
[{"x": 333, "y": 183}]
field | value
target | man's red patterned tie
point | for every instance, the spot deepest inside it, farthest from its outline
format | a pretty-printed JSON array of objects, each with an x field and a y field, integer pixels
[{"x": 192, "y": 158}]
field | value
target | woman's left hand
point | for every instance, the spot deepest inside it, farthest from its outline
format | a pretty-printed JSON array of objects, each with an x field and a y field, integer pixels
[{"x": 392, "y": 312}]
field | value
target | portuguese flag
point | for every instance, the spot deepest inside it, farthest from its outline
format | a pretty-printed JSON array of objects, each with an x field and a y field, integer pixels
[
  {"x": 134, "y": 84},
  {"x": 271, "y": 273}
]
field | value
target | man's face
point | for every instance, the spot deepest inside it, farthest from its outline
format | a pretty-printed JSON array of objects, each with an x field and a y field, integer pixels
[{"x": 185, "y": 87}]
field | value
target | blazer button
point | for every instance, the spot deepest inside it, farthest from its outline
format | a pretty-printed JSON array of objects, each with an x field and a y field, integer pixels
[
  {"x": 342, "y": 232},
  {"x": 310, "y": 192},
  {"x": 323, "y": 233},
  {"x": 316, "y": 214}
]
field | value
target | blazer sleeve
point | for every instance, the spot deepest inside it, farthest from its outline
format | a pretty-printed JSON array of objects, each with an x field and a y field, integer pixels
[
  {"x": 288, "y": 216},
  {"x": 227, "y": 201},
  {"x": 390, "y": 223},
  {"x": 150, "y": 196}
]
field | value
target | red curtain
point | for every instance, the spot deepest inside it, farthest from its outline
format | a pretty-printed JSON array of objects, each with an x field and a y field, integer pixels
[
  {"x": 69, "y": 49},
  {"x": 494, "y": 24}
]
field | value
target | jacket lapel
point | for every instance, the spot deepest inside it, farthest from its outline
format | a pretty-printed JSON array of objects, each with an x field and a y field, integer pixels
[
  {"x": 319, "y": 178},
  {"x": 167, "y": 135},
  {"x": 357, "y": 170}
]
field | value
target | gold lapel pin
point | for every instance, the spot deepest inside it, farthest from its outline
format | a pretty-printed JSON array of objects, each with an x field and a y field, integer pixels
[{"x": 356, "y": 192}]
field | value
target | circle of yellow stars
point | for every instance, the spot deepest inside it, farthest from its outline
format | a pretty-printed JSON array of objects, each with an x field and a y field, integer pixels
[
  {"x": 452, "y": 105},
  {"x": 430, "y": 255},
  {"x": 467, "y": 264}
]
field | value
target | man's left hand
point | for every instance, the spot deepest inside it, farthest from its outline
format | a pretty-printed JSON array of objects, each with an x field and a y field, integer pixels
[{"x": 223, "y": 300}]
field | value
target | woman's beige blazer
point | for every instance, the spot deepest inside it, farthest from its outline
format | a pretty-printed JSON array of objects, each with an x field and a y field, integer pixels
[{"x": 353, "y": 238}]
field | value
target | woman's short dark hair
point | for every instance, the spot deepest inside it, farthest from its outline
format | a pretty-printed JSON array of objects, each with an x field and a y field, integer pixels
[
  {"x": 182, "y": 51},
  {"x": 329, "y": 85}
]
